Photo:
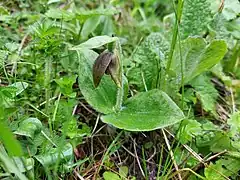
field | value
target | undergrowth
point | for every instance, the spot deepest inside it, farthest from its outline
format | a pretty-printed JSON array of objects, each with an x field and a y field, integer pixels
[{"x": 119, "y": 89}]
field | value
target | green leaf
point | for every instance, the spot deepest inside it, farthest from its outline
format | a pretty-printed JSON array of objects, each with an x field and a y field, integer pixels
[
  {"x": 149, "y": 58},
  {"x": 212, "y": 54},
  {"x": 188, "y": 130},
  {"x": 219, "y": 30},
  {"x": 231, "y": 9},
  {"x": 82, "y": 15},
  {"x": 21, "y": 86},
  {"x": 197, "y": 57},
  {"x": 95, "y": 42},
  {"x": 12, "y": 47},
  {"x": 108, "y": 175},
  {"x": 29, "y": 127},
  {"x": 102, "y": 98},
  {"x": 11, "y": 144},
  {"x": 108, "y": 28},
  {"x": 145, "y": 112},
  {"x": 221, "y": 142},
  {"x": 65, "y": 83},
  {"x": 90, "y": 25},
  {"x": 65, "y": 108},
  {"x": 7, "y": 94},
  {"x": 217, "y": 70},
  {"x": 206, "y": 92},
  {"x": 234, "y": 123},
  {"x": 56, "y": 154},
  {"x": 222, "y": 168},
  {"x": 123, "y": 171},
  {"x": 4, "y": 11},
  {"x": 233, "y": 27},
  {"x": 195, "y": 17},
  {"x": 57, "y": 13},
  {"x": 72, "y": 130},
  {"x": 9, "y": 165},
  {"x": 24, "y": 164}
]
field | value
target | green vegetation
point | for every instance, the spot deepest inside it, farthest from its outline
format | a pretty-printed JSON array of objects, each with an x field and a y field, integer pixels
[{"x": 119, "y": 90}]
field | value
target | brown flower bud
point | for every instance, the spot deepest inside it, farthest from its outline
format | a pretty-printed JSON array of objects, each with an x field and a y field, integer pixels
[{"x": 108, "y": 63}]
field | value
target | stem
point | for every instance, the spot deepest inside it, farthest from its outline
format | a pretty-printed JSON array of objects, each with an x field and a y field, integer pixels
[
  {"x": 4, "y": 69},
  {"x": 120, "y": 91},
  {"x": 48, "y": 69},
  {"x": 55, "y": 110},
  {"x": 178, "y": 15},
  {"x": 181, "y": 61}
]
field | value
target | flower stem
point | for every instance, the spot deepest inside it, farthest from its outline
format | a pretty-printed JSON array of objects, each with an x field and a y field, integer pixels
[
  {"x": 178, "y": 16},
  {"x": 120, "y": 91}
]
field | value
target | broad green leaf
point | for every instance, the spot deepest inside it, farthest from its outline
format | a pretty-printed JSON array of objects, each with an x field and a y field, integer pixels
[
  {"x": 108, "y": 175},
  {"x": 11, "y": 144},
  {"x": 95, "y": 42},
  {"x": 102, "y": 98},
  {"x": 206, "y": 92},
  {"x": 149, "y": 58},
  {"x": 90, "y": 25},
  {"x": 145, "y": 112},
  {"x": 223, "y": 168},
  {"x": 29, "y": 127},
  {"x": 195, "y": 17},
  {"x": 197, "y": 57},
  {"x": 55, "y": 154},
  {"x": 212, "y": 54},
  {"x": 21, "y": 86}
]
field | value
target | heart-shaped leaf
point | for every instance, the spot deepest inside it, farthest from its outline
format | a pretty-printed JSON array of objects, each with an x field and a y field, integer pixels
[
  {"x": 29, "y": 127},
  {"x": 102, "y": 98},
  {"x": 145, "y": 112}
]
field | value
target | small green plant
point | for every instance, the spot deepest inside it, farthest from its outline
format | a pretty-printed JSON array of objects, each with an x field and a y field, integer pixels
[{"x": 73, "y": 73}]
